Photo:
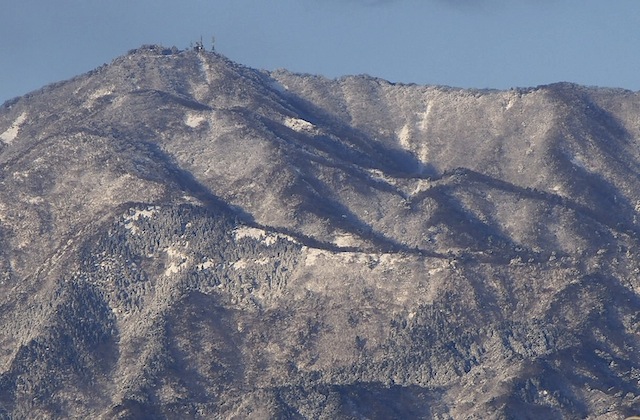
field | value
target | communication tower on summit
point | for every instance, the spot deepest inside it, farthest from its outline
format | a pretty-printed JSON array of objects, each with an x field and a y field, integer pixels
[{"x": 199, "y": 45}]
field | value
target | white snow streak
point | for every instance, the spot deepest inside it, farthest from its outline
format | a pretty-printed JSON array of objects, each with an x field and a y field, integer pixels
[
  {"x": 12, "y": 132},
  {"x": 405, "y": 137},
  {"x": 424, "y": 118}
]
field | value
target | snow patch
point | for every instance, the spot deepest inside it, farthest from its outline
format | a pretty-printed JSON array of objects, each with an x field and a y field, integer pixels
[
  {"x": 578, "y": 161},
  {"x": 177, "y": 261},
  {"x": 240, "y": 265},
  {"x": 270, "y": 240},
  {"x": 360, "y": 258},
  {"x": 35, "y": 200},
  {"x": 262, "y": 261},
  {"x": 138, "y": 213},
  {"x": 405, "y": 137},
  {"x": 267, "y": 238},
  {"x": 390, "y": 261},
  {"x": 313, "y": 255},
  {"x": 345, "y": 240},
  {"x": 100, "y": 93},
  {"x": 12, "y": 132},
  {"x": 205, "y": 265},
  {"x": 510, "y": 100},
  {"x": 380, "y": 176},
  {"x": 194, "y": 120},
  {"x": 423, "y": 124},
  {"x": 421, "y": 185},
  {"x": 174, "y": 253},
  {"x": 132, "y": 217},
  {"x": 173, "y": 268},
  {"x": 423, "y": 153},
  {"x": 509, "y": 104},
  {"x": 300, "y": 125},
  {"x": 248, "y": 232},
  {"x": 435, "y": 270},
  {"x": 191, "y": 200},
  {"x": 278, "y": 87}
]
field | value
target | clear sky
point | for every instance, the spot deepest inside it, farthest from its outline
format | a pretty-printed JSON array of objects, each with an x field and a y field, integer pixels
[{"x": 465, "y": 43}]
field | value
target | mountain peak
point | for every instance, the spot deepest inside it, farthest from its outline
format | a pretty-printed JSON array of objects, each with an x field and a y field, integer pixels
[{"x": 185, "y": 236}]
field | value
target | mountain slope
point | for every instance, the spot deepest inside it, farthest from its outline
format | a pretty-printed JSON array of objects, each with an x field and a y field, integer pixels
[{"x": 187, "y": 237}]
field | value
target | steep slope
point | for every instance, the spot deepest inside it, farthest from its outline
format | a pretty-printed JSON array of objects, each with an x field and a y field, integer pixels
[{"x": 183, "y": 236}]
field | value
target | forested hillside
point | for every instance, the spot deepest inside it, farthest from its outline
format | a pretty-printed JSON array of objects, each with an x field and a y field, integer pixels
[{"x": 186, "y": 237}]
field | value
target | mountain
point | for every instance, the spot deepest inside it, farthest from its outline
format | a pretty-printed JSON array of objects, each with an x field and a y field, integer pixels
[{"x": 186, "y": 237}]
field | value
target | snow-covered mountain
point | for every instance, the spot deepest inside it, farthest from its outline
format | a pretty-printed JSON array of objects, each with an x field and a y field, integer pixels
[{"x": 185, "y": 237}]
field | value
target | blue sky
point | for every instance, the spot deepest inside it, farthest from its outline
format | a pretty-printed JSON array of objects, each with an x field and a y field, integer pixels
[{"x": 465, "y": 43}]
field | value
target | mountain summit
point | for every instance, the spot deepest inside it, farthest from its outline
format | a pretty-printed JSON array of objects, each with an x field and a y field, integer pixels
[{"x": 186, "y": 237}]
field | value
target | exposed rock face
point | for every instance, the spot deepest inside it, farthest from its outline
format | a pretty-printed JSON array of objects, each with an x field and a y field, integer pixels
[{"x": 184, "y": 237}]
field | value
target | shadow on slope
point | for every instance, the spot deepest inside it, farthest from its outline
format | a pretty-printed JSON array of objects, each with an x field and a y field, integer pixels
[
  {"x": 595, "y": 223},
  {"x": 349, "y": 144}
]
